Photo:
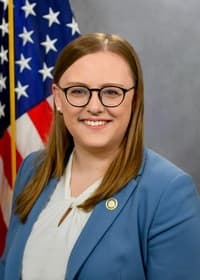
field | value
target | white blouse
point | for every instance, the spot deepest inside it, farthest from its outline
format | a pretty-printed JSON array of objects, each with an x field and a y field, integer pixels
[{"x": 49, "y": 246}]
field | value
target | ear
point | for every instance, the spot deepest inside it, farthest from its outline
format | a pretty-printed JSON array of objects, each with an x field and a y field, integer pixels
[{"x": 57, "y": 97}]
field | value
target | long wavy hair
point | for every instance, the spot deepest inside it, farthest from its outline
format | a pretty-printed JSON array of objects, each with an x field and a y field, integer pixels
[{"x": 60, "y": 143}]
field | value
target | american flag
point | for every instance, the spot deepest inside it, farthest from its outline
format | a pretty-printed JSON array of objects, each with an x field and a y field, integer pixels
[{"x": 41, "y": 29}]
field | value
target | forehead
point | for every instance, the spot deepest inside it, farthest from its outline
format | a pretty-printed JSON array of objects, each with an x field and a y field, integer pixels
[{"x": 99, "y": 67}]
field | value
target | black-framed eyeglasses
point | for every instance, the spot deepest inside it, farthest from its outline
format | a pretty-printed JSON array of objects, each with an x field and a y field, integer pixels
[{"x": 109, "y": 96}]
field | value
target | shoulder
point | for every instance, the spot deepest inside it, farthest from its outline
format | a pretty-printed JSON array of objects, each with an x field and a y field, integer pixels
[
  {"x": 158, "y": 172},
  {"x": 165, "y": 187},
  {"x": 161, "y": 180},
  {"x": 27, "y": 169},
  {"x": 159, "y": 166},
  {"x": 168, "y": 210},
  {"x": 165, "y": 196}
]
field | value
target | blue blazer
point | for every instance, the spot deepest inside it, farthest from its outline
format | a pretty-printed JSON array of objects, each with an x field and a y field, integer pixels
[{"x": 153, "y": 233}]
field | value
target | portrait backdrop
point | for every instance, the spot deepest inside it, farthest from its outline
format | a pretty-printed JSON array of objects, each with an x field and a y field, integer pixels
[{"x": 166, "y": 35}]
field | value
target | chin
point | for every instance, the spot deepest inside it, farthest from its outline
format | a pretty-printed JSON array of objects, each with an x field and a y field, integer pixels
[{"x": 101, "y": 148}]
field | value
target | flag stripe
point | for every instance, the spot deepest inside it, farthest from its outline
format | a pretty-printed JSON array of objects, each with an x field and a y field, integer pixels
[
  {"x": 5, "y": 155},
  {"x": 41, "y": 116},
  {"x": 50, "y": 101},
  {"x": 31, "y": 140},
  {"x": 5, "y": 152},
  {"x": 5, "y": 199},
  {"x": 3, "y": 229},
  {"x": 28, "y": 55},
  {"x": 19, "y": 159}
]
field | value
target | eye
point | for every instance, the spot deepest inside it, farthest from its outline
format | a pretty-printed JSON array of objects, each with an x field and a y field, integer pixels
[
  {"x": 112, "y": 92},
  {"x": 78, "y": 91}
]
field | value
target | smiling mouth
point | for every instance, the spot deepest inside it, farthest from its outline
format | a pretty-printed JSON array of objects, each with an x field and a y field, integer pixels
[{"x": 95, "y": 123}]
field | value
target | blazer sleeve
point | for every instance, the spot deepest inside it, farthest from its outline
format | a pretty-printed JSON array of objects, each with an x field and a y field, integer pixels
[
  {"x": 24, "y": 174},
  {"x": 174, "y": 236}
]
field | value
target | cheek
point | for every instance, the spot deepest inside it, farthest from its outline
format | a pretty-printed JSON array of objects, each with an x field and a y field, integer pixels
[
  {"x": 126, "y": 118},
  {"x": 125, "y": 113},
  {"x": 70, "y": 116},
  {"x": 125, "y": 110}
]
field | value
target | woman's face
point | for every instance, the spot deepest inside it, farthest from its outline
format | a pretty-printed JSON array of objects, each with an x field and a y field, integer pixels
[{"x": 96, "y": 127}]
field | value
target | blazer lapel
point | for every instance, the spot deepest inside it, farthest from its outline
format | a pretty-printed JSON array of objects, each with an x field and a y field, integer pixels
[{"x": 99, "y": 222}]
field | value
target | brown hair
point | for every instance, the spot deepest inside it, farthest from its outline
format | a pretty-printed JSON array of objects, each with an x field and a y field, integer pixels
[{"x": 60, "y": 143}]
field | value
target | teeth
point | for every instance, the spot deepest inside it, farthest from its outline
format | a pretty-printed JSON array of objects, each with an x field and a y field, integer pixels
[{"x": 95, "y": 123}]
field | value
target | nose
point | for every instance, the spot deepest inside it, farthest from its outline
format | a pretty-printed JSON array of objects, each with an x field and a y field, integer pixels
[{"x": 94, "y": 106}]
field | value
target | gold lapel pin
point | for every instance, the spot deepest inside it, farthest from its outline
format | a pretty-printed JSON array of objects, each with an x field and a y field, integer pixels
[{"x": 111, "y": 203}]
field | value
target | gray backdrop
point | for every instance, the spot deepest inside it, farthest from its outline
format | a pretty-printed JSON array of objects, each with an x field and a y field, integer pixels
[{"x": 166, "y": 35}]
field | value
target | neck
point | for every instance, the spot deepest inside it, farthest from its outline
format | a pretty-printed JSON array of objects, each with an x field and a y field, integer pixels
[
  {"x": 91, "y": 161},
  {"x": 87, "y": 167}
]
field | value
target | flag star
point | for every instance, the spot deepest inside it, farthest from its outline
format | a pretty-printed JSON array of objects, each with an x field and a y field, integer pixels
[
  {"x": 21, "y": 90},
  {"x": 52, "y": 17},
  {"x": 26, "y": 36},
  {"x": 23, "y": 63},
  {"x": 5, "y": 4},
  {"x": 46, "y": 72},
  {"x": 2, "y": 82},
  {"x": 49, "y": 44},
  {"x": 4, "y": 27},
  {"x": 74, "y": 26},
  {"x": 2, "y": 113},
  {"x": 3, "y": 55},
  {"x": 28, "y": 9}
]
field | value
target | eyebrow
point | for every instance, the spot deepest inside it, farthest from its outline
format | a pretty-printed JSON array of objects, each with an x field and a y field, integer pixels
[{"x": 86, "y": 85}]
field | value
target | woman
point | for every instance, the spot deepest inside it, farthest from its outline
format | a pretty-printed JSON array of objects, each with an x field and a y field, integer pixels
[{"x": 96, "y": 204}]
